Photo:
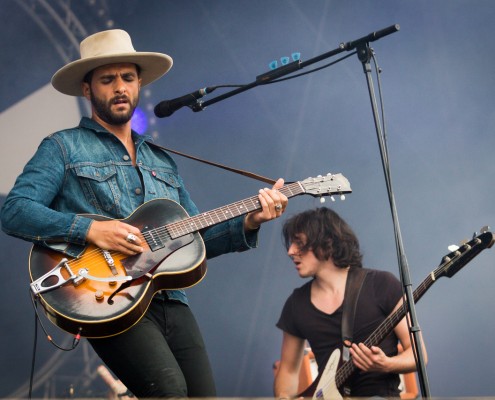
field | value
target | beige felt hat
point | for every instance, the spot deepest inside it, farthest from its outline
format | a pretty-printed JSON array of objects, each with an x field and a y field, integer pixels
[{"x": 109, "y": 47}]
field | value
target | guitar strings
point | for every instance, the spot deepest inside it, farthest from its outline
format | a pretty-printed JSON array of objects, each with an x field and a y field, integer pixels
[
  {"x": 217, "y": 215},
  {"x": 164, "y": 233},
  {"x": 183, "y": 227}
]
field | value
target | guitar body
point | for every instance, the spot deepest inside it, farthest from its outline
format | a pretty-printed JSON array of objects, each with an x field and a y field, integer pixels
[
  {"x": 326, "y": 389},
  {"x": 96, "y": 308}
]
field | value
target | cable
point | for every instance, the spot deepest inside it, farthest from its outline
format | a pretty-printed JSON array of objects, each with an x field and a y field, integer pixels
[
  {"x": 77, "y": 337},
  {"x": 33, "y": 362},
  {"x": 313, "y": 70},
  {"x": 37, "y": 320}
]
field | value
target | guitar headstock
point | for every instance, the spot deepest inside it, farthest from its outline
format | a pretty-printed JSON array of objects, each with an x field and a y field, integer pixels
[
  {"x": 458, "y": 258},
  {"x": 327, "y": 185}
]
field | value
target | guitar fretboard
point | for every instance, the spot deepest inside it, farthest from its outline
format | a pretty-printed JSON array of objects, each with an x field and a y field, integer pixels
[{"x": 221, "y": 214}]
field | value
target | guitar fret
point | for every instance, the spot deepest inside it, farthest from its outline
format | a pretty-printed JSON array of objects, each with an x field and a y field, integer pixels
[
  {"x": 206, "y": 219},
  {"x": 228, "y": 213},
  {"x": 241, "y": 209},
  {"x": 211, "y": 218},
  {"x": 289, "y": 188}
]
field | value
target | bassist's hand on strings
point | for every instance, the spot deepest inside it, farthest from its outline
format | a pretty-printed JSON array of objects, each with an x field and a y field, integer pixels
[
  {"x": 115, "y": 235},
  {"x": 273, "y": 204},
  {"x": 369, "y": 359}
]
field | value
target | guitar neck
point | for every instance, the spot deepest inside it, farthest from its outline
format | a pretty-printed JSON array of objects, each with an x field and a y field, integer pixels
[
  {"x": 221, "y": 214},
  {"x": 450, "y": 265}
]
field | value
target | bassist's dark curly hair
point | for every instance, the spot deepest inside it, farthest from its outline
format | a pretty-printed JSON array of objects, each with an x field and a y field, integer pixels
[{"x": 326, "y": 234}]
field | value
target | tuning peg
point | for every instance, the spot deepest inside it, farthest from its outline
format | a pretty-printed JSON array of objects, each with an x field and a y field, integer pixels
[
  {"x": 453, "y": 248},
  {"x": 342, "y": 197},
  {"x": 332, "y": 198},
  {"x": 484, "y": 229},
  {"x": 322, "y": 200}
]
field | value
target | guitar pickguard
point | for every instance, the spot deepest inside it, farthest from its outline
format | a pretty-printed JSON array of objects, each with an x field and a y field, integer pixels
[
  {"x": 327, "y": 389},
  {"x": 144, "y": 263}
]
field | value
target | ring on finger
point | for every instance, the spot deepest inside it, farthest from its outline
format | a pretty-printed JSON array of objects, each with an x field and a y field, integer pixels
[
  {"x": 278, "y": 207},
  {"x": 131, "y": 238}
]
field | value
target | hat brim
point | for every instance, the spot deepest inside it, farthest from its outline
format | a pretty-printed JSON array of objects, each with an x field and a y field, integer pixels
[{"x": 68, "y": 79}]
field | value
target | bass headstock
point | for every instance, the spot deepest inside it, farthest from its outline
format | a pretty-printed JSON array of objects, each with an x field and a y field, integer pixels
[{"x": 461, "y": 255}]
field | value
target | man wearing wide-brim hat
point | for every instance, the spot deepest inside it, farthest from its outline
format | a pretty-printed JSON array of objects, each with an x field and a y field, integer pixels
[{"x": 102, "y": 167}]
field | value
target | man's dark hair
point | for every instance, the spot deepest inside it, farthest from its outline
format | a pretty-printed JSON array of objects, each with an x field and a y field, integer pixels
[{"x": 327, "y": 235}]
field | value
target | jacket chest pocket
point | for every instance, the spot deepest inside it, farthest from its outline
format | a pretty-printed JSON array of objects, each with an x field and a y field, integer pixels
[
  {"x": 100, "y": 187},
  {"x": 166, "y": 184}
]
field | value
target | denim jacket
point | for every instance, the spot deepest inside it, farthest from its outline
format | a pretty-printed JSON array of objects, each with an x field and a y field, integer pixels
[{"x": 87, "y": 170}]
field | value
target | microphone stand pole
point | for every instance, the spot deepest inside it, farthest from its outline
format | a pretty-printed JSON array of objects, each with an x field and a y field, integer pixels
[{"x": 364, "y": 55}]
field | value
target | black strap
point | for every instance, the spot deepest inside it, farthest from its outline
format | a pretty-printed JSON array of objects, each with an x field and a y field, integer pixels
[
  {"x": 238, "y": 171},
  {"x": 354, "y": 283},
  {"x": 353, "y": 286}
]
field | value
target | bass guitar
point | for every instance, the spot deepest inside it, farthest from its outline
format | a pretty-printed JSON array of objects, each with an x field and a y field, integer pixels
[
  {"x": 330, "y": 383},
  {"x": 102, "y": 293}
]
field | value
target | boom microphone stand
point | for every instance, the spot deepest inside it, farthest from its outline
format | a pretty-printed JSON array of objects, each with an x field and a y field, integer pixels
[{"x": 364, "y": 53}]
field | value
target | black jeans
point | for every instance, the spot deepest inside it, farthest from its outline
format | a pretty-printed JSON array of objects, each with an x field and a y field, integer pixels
[{"x": 163, "y": 355}]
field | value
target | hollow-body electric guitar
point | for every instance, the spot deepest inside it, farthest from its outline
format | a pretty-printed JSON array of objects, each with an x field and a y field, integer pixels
[
  {"x": 102, "y": 293},
  {"x": 330, "y": 383}
]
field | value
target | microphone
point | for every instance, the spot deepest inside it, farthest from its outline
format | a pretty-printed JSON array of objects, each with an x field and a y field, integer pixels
[{"x": 167, "y": 107}]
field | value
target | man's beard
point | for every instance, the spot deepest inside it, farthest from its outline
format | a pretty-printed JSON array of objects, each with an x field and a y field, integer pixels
[{"x": 104, "y": 110}]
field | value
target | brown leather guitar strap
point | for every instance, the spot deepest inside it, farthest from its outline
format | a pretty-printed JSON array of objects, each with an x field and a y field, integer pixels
[{"x": 237, "y": 171}]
